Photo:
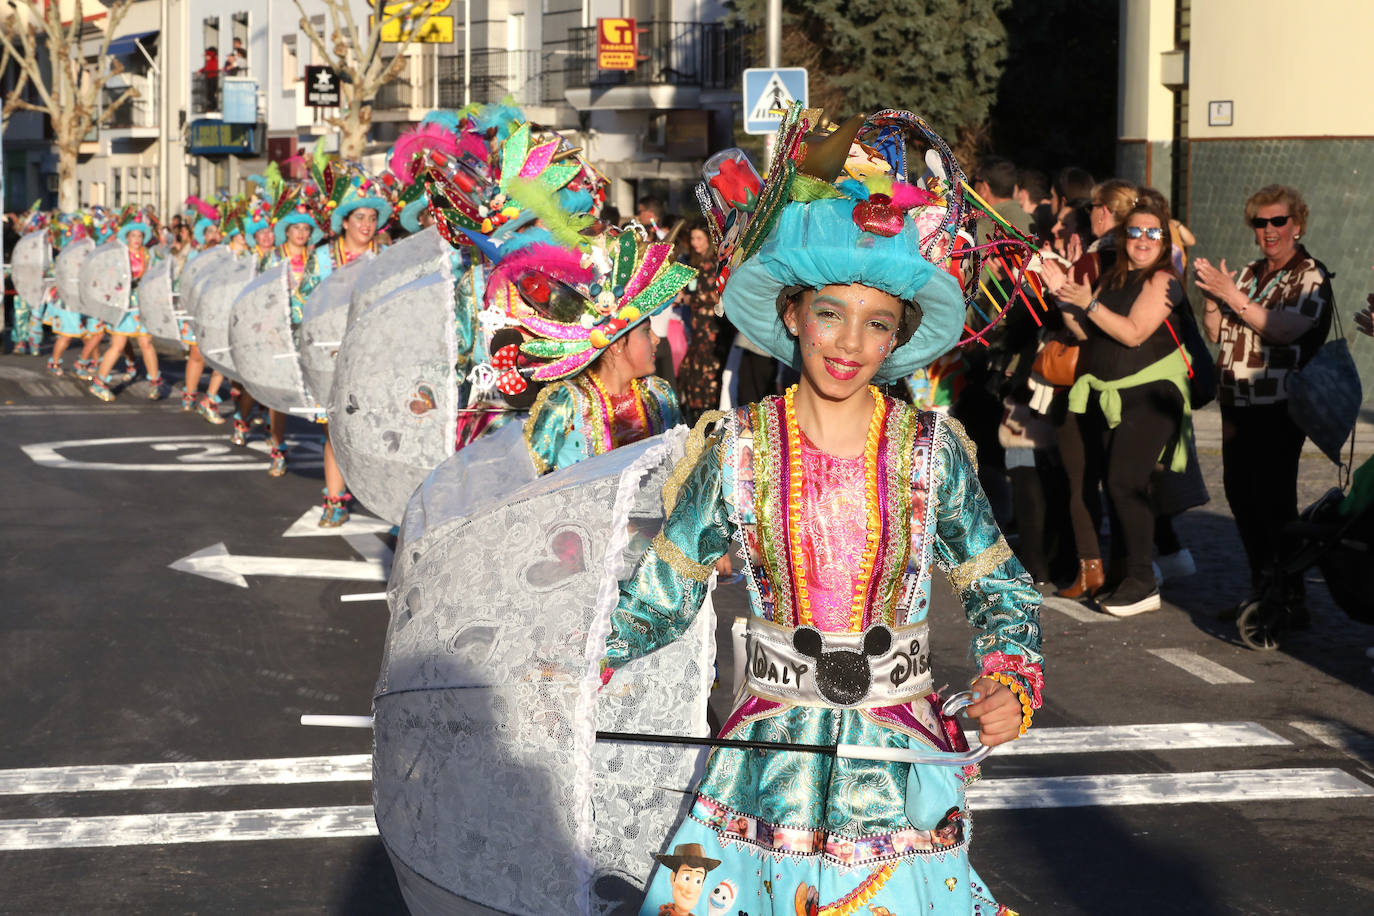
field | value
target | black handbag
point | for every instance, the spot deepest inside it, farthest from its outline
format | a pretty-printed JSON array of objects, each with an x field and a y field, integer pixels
[
  {"x": 1324, "y": 395},
  {"x": 1202, "y": 367}
]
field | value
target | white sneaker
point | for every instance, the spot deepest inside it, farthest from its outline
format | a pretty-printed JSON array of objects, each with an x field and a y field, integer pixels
[{"x": 1176, "y": 565}]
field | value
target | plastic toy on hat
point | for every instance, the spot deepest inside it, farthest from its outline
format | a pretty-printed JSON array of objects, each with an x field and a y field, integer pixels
[
  {"x": 642, "y": 281},
  {"x": 835, "y": 210}
]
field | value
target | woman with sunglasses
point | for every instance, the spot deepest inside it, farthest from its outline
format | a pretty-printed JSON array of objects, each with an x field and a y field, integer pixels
[
  {"x": 1269, "y": 322},
  {"x": 1111, "y": 202},
  {"x": 1131, "y": 395}
]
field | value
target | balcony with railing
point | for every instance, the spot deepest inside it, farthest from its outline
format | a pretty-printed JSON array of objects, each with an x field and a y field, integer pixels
[
  {"x": 138, "y": 115},
  {"x": 677, "y": 62},
  {"x": 531, "y": 77},
  {"x": 206, "y": 93}
]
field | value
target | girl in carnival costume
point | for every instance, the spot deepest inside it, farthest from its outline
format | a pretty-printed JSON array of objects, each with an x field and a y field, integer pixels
[
  {"x": 230, "y": 226},
  {"x": 838, "y": 500},
  {"x": 27, "y": 333},
  {"x": 67, "y": 323},
  {"x": 599, "y": 350},
  {"x": 133, "y": 231},
  {"x": 295, "y": 230},
  {"x": 357, "y": 207}
]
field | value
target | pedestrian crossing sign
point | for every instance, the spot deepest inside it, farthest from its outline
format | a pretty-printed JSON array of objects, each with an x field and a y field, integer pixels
[{"x": 767, "y": 91}]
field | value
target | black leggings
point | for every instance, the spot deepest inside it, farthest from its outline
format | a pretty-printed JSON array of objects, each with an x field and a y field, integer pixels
[
  {"x": 1150, "y": 418},
  {"x": 1083, "y": 469},
  {"x": 1260, "y": 450}
]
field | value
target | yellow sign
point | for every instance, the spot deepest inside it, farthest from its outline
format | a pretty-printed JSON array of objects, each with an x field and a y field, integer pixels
[
  {"x": 425, "y": 23},
  {"x": 617, "y": 44}
]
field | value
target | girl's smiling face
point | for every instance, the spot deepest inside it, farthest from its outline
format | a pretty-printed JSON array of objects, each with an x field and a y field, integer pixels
[{"x": 845, "y": 333}]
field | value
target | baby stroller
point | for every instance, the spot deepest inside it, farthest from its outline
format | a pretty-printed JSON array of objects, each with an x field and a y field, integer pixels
[{"x": 1334, "y": 534}]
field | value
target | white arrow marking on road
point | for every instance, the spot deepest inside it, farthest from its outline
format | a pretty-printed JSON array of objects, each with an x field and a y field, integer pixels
[
  {"x": 216, "y": 562},
  {"x": 49, "y": 454},
  {"x": 1165, "y": 788},
  {"x": 1200, "y": 667}
]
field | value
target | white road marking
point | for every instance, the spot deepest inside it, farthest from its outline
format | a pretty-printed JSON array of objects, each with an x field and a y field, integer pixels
[
  {"x": 1165, "y": 788},
  {"x": 188, "y": 827},
  {"x": 363, "y": 596},
  {"x": 1070, "y": 608},
  {"x": 216, "y": 562},
  {"x": 1164, "y": 737},
  {"x": 370, "y": 547},
  {"x": 39, "y": 389},
  {"x": 196, "y": 774},
  {"x": 1351, "y": 742},
  {"x": 1200, "y": 667},
  {"x": 988, "y": 795},
  {"x": 308, "y": 525}
]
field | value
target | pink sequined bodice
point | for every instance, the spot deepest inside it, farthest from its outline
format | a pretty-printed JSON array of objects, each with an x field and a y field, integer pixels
[{"x": 833, "y": 531}]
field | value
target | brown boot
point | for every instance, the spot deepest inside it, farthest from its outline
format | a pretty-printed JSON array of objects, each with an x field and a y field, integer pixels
[{"x": 1089, "y": 582}]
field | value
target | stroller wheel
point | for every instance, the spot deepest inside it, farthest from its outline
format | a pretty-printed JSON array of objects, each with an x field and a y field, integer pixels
[{"x": 1262, "y": 624}]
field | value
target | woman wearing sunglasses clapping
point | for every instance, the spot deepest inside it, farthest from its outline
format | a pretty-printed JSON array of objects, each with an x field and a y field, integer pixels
[
  {"x": 1132, "y": 391},
  {"x": 1270, "y": 320}
]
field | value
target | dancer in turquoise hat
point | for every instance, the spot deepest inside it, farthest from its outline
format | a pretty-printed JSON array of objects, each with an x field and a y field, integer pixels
[{"x": 840, "y": 502}]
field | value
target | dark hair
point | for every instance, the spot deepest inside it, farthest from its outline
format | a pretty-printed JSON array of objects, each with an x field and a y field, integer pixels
[
  {"x": 907, "y": 323},
  {"x": 1115, "y": 276},
  {"x": 653, "y": 205},
  {"x": 1035, "y": 183},
  {"x": 610, "y": 215},
  {"x": 1000, "y": 174},
  {"x": 1149, "y": 195},
  {"x": 1073, "y": 183}
]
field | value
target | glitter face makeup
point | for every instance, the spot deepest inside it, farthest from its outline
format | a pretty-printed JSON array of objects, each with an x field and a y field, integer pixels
[{"x": 845, "y": 333}]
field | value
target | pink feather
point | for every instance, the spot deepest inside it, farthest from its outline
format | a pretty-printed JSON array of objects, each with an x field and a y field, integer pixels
[
  {"x": 416, "y": 141},
  {"x": 906, "y": 196},
  {"x": 204, "y": 209}
]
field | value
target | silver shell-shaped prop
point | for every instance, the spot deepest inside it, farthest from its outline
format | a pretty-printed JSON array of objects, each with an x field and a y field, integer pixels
[
  {"x": 264, "y": 343},
  {"x": 29, "y": 263},
  {"x": 202, "y": 262},
  {"x": 488, "y": 784},
  {"x": 393, "y": 410},
  {"x": 214, "y": 294},
  {"x": 323, "y": 319},
  {"x": 106, "y": 283},
  {"x": 67, "y": 272},
  {"x": 157, "y": 305},
  {"x": 411, "y": 258}
]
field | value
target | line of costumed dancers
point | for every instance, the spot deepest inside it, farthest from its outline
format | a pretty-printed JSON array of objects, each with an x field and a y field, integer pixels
[{"x": 835, "y": 499}]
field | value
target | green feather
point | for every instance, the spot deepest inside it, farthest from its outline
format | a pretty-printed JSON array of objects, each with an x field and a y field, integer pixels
[
  {"x": 513, "y": 153},
  {"x": 539, "y": 200},
  {"x": 553, "y": 349}
]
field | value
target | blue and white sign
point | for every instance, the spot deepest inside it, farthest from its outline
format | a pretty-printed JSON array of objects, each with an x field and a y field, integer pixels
[{"x": 766, "y": 92}]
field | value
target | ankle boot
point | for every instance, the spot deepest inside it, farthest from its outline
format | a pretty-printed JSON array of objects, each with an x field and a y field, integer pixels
[{"x": 1089, "y": 582}]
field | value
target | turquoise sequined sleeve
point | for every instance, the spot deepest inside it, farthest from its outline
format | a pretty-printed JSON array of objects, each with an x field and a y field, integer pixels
[
  {"x": 996, "y": 592},
  {"x": 550, "y": 421},
  {"x": 661, "y": 599}
]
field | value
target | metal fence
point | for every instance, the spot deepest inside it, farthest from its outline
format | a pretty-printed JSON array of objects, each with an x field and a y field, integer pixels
[
  {"x": 530, "y": 77},
  {"x": 708, "y": 55}
]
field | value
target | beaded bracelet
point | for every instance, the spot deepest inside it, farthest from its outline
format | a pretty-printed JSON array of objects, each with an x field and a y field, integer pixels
[{"x": 1015, "y": 687}]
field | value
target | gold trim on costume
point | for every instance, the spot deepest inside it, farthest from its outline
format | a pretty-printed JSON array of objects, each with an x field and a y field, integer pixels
[
  {"x": 681, "y": 564},
  {"x": 957, "y": 430},
  {"x": 696, "y": 445},
  {"x": 988, "y": 559}
]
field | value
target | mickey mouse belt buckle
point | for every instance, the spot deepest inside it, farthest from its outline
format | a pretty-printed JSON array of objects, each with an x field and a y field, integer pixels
[{"x": 879, "y": 666}]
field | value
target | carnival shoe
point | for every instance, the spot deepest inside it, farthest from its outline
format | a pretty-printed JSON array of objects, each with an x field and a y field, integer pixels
[
  {"x": 1089, "y": 582},
  {"x": 188, "y": 401},
  {"x": 55, "y": 368},
  {"x": 84, "y": 369},
  {"x": 207, "y": 410},
  {"x": 100, "y": 387},
  {"x": 128, "y": 375},
  {"x": 1131, "y": 597},
  {"x": 278, "y": 468},
  {"x": 1178, "y": 565},
  {"x": 20, "y": 349},
  {"x": 240, "y": 434},
  {"x": 156, "y": 389},
  {"x": 335, "y": 510}
]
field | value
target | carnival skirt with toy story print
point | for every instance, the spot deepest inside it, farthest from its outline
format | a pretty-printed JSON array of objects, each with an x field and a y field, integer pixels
[{"x": 802, "y": 834}]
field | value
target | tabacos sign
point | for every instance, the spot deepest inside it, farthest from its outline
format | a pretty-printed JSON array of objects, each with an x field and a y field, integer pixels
[{"x": 617, "y": 44}]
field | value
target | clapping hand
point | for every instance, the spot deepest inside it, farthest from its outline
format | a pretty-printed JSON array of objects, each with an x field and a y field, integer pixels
[
  {"x": 1364, "y": 319},
  {"x": 1217, "y": 283}
]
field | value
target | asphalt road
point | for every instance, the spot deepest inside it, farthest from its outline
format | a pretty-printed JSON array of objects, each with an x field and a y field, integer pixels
[{"x": 1171, "y": 770}]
